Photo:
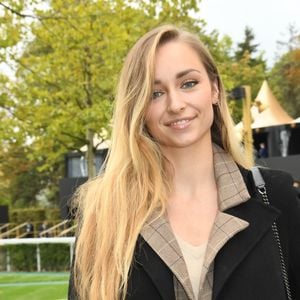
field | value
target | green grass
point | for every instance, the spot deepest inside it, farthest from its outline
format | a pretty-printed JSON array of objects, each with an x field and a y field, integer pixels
[{"x": 33, "y": 286}]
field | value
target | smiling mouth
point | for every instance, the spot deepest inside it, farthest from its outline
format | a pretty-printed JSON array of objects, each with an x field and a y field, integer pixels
[{"x": 180, "y": 124}]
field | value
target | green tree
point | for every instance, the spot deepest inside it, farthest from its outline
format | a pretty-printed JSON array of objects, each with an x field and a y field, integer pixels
[
  {"x": 239, "y": 67},
  {"x": 68, "y": 70},
  {"x": 247, "y": 44},
  {"x": 22, "y": 184},
  {"x": 284, "y": 79},
  {"x": 10, "y": 32},
  {"x": 67, "y": 56},
  {"x": 248, "y": 48}
]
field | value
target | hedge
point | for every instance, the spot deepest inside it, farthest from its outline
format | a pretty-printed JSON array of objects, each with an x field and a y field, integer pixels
[
  {"x": 33, "y": 215},
  {"x": 54, "y": 257}
]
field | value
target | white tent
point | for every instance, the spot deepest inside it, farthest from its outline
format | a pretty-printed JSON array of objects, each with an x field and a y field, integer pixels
[
  {"x": 297, "y": 120},
  {"x": 268, "y": 110}
]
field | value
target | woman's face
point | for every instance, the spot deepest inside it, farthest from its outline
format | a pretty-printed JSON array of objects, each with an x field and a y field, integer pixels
[{"x": 180, "y": 113}]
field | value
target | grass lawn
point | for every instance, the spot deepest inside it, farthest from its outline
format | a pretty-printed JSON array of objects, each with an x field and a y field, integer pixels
[{"x": 33, "y": 286}]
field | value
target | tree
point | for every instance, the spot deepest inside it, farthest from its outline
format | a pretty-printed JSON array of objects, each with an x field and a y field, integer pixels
[
  {"x": 284, "y": 80},
  {"x": 284, "y": 77},
  {"x": 247, "y": 44},
  {"x": 67, "y": 56},
  {"x": 22, "y": 184},
  {"x": 10, "y": 32},
  {"x": 66, "y": 74},
  {"x": 248, "y": 48},
  {"x": 293, "y": 41},
  {"x": 241, "y": 68}
]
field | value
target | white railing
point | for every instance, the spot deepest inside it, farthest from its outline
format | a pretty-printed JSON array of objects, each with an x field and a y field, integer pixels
[{"x": 37, "y": 242}]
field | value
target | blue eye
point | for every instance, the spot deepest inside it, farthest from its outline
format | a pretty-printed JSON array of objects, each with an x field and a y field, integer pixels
[
  {"x": 156, "y": 94},
  {"x": 189, "y": 84}
]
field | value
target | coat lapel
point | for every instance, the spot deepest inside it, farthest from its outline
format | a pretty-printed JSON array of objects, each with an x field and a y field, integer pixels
[
  {"x": 225, "y": 227},
  {"x": 260, "y": 218},
  {"x": 159, "y": 236},
  {"x": 156, "y": 269}
]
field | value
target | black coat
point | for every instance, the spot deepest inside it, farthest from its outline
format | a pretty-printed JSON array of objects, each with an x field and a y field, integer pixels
[{"x": 248, "y": 265}]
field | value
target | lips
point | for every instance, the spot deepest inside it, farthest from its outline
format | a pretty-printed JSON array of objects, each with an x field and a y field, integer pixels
[{"x": 179, "y": 123}]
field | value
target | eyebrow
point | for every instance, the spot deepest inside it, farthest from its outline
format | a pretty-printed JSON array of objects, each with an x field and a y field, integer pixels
[{"x": 180, "y": 74}]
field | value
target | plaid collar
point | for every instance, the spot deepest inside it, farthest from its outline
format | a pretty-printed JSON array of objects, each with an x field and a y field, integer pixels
[
  {"x": 158, "y": 234},
  {"x": 232, "y": 189}
]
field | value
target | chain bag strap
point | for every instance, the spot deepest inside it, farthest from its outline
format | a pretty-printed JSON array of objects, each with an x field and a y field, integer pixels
[{"x": 261, "y": 187}]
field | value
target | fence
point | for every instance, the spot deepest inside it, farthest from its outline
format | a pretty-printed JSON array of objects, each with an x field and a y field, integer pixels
[
  {"x": 38, "y": 229},
  {"x": 37, "y": 241}
]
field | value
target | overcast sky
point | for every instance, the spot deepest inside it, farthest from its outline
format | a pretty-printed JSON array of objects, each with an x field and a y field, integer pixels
[{"x": 269, "y": 20}]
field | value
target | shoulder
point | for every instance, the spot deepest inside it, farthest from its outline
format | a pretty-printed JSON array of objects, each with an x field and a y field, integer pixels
[
  {"x": 276, "y": 176},
  {"x": 274, "y": 179},
  {"x": 279, "y": 185}
]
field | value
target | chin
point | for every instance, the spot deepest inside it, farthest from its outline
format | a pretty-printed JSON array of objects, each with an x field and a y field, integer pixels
[{"x": 198, "y": 141}]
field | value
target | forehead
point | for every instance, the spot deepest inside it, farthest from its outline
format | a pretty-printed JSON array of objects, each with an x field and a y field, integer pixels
[{"x": 175, "y": 56}]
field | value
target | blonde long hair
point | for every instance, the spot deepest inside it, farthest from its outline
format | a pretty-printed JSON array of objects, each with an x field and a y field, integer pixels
[{"x": 113, "y": 208}]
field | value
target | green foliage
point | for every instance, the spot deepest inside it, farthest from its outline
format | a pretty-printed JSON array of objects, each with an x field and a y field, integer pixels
[
  {"x": 246, "y": 45},
  {"x": 64, "y": 88},
  {"x": 10, "y": 32},
  {"x": 62, "y": 96},
  {"x": 284, "y": 80},
  {"x": 23, "y": 183},
  {"x": 240, "y": 68},
  {"x": 33, "y": 214},
  {"x": 249, "y": 48},
  {"x": 60, "y": 261},
  {"x": 22, "y": 258},
  {"x": 237, "y": 70},
  {"x": 54, "y": 257}
]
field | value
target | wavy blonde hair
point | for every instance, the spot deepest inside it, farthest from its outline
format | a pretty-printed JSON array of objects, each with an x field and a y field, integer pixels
[{"x": 113, "y": 208}]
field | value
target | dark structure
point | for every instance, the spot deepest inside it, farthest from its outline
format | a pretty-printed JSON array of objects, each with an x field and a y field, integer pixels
[
  {"x": 4, "y": 218},
  {"x": 76, "y": 174},
  {"x": 283, "y": 144},
  {"x": 280, "y": 140}
]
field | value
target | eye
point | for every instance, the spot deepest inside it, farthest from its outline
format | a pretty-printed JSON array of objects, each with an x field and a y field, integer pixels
[
  {"x": 157, "y": 94},
  {"x": 189, "y": 84}
]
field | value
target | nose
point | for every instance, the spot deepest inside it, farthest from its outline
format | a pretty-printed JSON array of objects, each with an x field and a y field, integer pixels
[{"x": 176, "y": 103}]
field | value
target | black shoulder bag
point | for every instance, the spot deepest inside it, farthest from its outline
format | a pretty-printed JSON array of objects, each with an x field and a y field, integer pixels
[{"x": 261, "y": 187}]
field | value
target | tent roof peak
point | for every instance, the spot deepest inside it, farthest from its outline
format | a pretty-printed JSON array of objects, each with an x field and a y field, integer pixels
[{"x": 271, "y": 112}]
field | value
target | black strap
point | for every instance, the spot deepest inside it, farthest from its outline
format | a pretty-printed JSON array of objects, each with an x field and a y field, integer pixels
[{"x": 261, "y": 187}]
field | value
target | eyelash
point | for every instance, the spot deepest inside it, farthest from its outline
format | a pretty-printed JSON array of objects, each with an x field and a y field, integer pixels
[
  {"x": 193, "y": 82},
  {"x": 157, "y": 94},
  {"x": 154, "y": 94}
]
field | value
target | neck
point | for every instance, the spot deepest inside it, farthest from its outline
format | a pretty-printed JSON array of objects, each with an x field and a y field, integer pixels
[{"x": 193, "y": 170}]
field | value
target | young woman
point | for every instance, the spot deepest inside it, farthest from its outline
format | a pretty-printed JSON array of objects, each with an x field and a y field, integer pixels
[{"x": 175, "y": 214}]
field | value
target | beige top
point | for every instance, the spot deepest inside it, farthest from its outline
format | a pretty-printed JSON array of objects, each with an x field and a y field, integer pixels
[{"x": 194, "y": 258}]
